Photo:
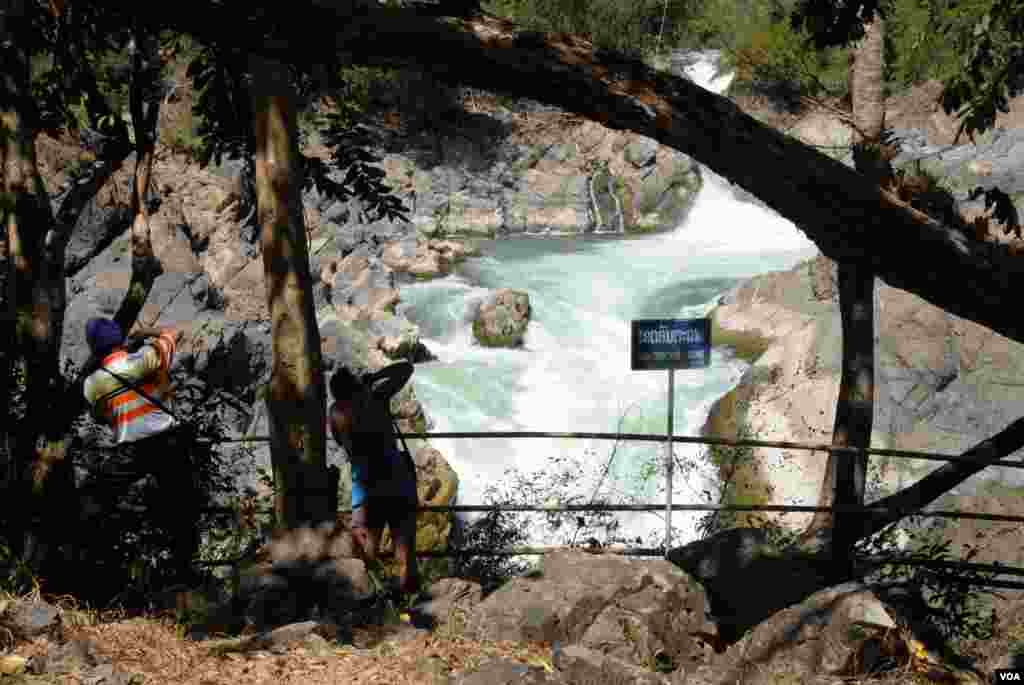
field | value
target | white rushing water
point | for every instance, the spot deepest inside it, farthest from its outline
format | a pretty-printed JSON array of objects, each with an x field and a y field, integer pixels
[{"x": 572, "y": 374}]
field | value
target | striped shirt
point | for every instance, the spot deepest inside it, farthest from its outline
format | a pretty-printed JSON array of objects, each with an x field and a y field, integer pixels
[{"x": 131, "y": 415}]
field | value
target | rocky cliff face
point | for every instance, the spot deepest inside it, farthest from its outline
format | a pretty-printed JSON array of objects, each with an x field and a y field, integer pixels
[
  {"x": 498, "y": 173},
  {"x": 942, "y": 385}
]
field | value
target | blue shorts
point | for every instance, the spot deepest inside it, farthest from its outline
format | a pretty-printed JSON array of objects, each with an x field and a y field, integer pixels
[{"x": 394, "y": 480}]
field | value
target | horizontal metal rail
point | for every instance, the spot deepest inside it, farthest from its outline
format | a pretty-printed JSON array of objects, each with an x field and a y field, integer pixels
[
  {"x": 726, "y": 442},
  {"x": 995, "y": 569},
  {"x": 569, "y": 508},
  {"x": 976, "y": 515}
]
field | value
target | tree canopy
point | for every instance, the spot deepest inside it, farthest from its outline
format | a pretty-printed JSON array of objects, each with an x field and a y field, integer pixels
[{"x": 988, "y": 36}]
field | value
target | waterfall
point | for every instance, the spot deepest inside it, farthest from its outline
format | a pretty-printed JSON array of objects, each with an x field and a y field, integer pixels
[{"x": 572, "y": 373}]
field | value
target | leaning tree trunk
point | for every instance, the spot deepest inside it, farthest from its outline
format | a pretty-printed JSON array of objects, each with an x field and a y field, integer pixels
[
  {"x": 845, "y": 472},
  {"x": 847, "y": 217},
  {"x": 38, "y": 281},
  {"x": 295, "y": 400},
  {"x": 144, "y": 102}
]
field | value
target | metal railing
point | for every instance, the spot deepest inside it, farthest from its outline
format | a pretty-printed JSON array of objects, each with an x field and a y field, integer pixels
[
  {"x": 726, "y": 442},
  {"x": 668, "y": 507}
]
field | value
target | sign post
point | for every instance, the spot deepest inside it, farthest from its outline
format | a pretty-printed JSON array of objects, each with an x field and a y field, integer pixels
[
  {"x": 670, "y": 344},
  {"x": 669, "y": 462}
]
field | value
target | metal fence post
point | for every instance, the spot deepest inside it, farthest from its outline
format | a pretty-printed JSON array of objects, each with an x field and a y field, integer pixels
[{"x": 669, "y": 462}]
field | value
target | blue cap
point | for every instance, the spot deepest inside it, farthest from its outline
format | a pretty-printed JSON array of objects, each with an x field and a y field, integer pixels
[{"x": 103, "y": 335}]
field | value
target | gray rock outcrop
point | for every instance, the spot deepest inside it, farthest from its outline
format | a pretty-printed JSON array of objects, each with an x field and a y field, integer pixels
[
  {"x": 629, "y": 611},
  {"x": 942, "y": 385}
]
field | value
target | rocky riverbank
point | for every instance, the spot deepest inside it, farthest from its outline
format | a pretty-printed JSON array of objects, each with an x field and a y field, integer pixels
[{"x": 942, "y": 385}]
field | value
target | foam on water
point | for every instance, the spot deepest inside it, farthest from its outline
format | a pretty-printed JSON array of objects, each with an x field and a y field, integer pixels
[{"x": 572, "y": 373}]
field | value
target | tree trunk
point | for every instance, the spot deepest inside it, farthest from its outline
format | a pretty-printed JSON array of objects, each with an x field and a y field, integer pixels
[
  {"x": 38, "y": 282},
  {"x": 7, "y": 318},
  {"x": 144, "y": 103},
  {"x": 295, "y": 400},
  {"x": 868, "y": 82},
  {"x": 846, "y": 473}
]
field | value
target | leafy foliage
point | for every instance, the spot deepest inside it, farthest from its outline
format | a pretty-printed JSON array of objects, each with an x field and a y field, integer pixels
[
  {"x": 626, "y": 26},
  {"x": 916, "y": 44},
  {"x": 990, "y": 40},
  {"x": 224, "y": 108},
  {"x": 556, "y": 484},
  {"x": 1003, "y": 210},
  {"x": 956, "y": 602},
  {"x": 81, "y": 71},
  {"x": 765, "y": 50},
  {"x": 493, "y": 530},
  {"x": 363, "y": 179},
  {"x": 834, "y": 23},
  {"x": 987, "y": 35},
  {"x": 222, "y": 104}
]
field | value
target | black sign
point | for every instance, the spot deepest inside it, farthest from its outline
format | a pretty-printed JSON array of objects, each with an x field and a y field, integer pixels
[{"x": 670, "y": 344}]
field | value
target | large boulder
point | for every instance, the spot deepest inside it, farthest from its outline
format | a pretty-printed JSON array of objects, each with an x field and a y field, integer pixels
[
  {"x": 632, "y": 611},
  {"x": 101, "y": 221},
  {"x": 577, "y": 664},
  {"x": 502, "y": 318},
  {"x": 299, "y": 570},
  {"x": 846, "y": 631}
]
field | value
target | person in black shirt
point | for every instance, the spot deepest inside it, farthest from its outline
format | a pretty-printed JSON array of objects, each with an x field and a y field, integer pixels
[{"x": 383, "y": 477}]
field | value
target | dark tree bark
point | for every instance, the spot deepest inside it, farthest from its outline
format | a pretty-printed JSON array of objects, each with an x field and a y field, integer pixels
[
  {"x": 144, "y": 103},
  {"x": 38, "y": 297},
  {"x": 34, "y": 298},
  {"x": 296, "y": 395},
  {"x": 845, "y": 472},
  {"x": 7, "y": 321}
]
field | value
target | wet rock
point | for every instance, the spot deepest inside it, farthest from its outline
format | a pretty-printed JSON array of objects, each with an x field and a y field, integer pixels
[{"x": 502, "y": 319}]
